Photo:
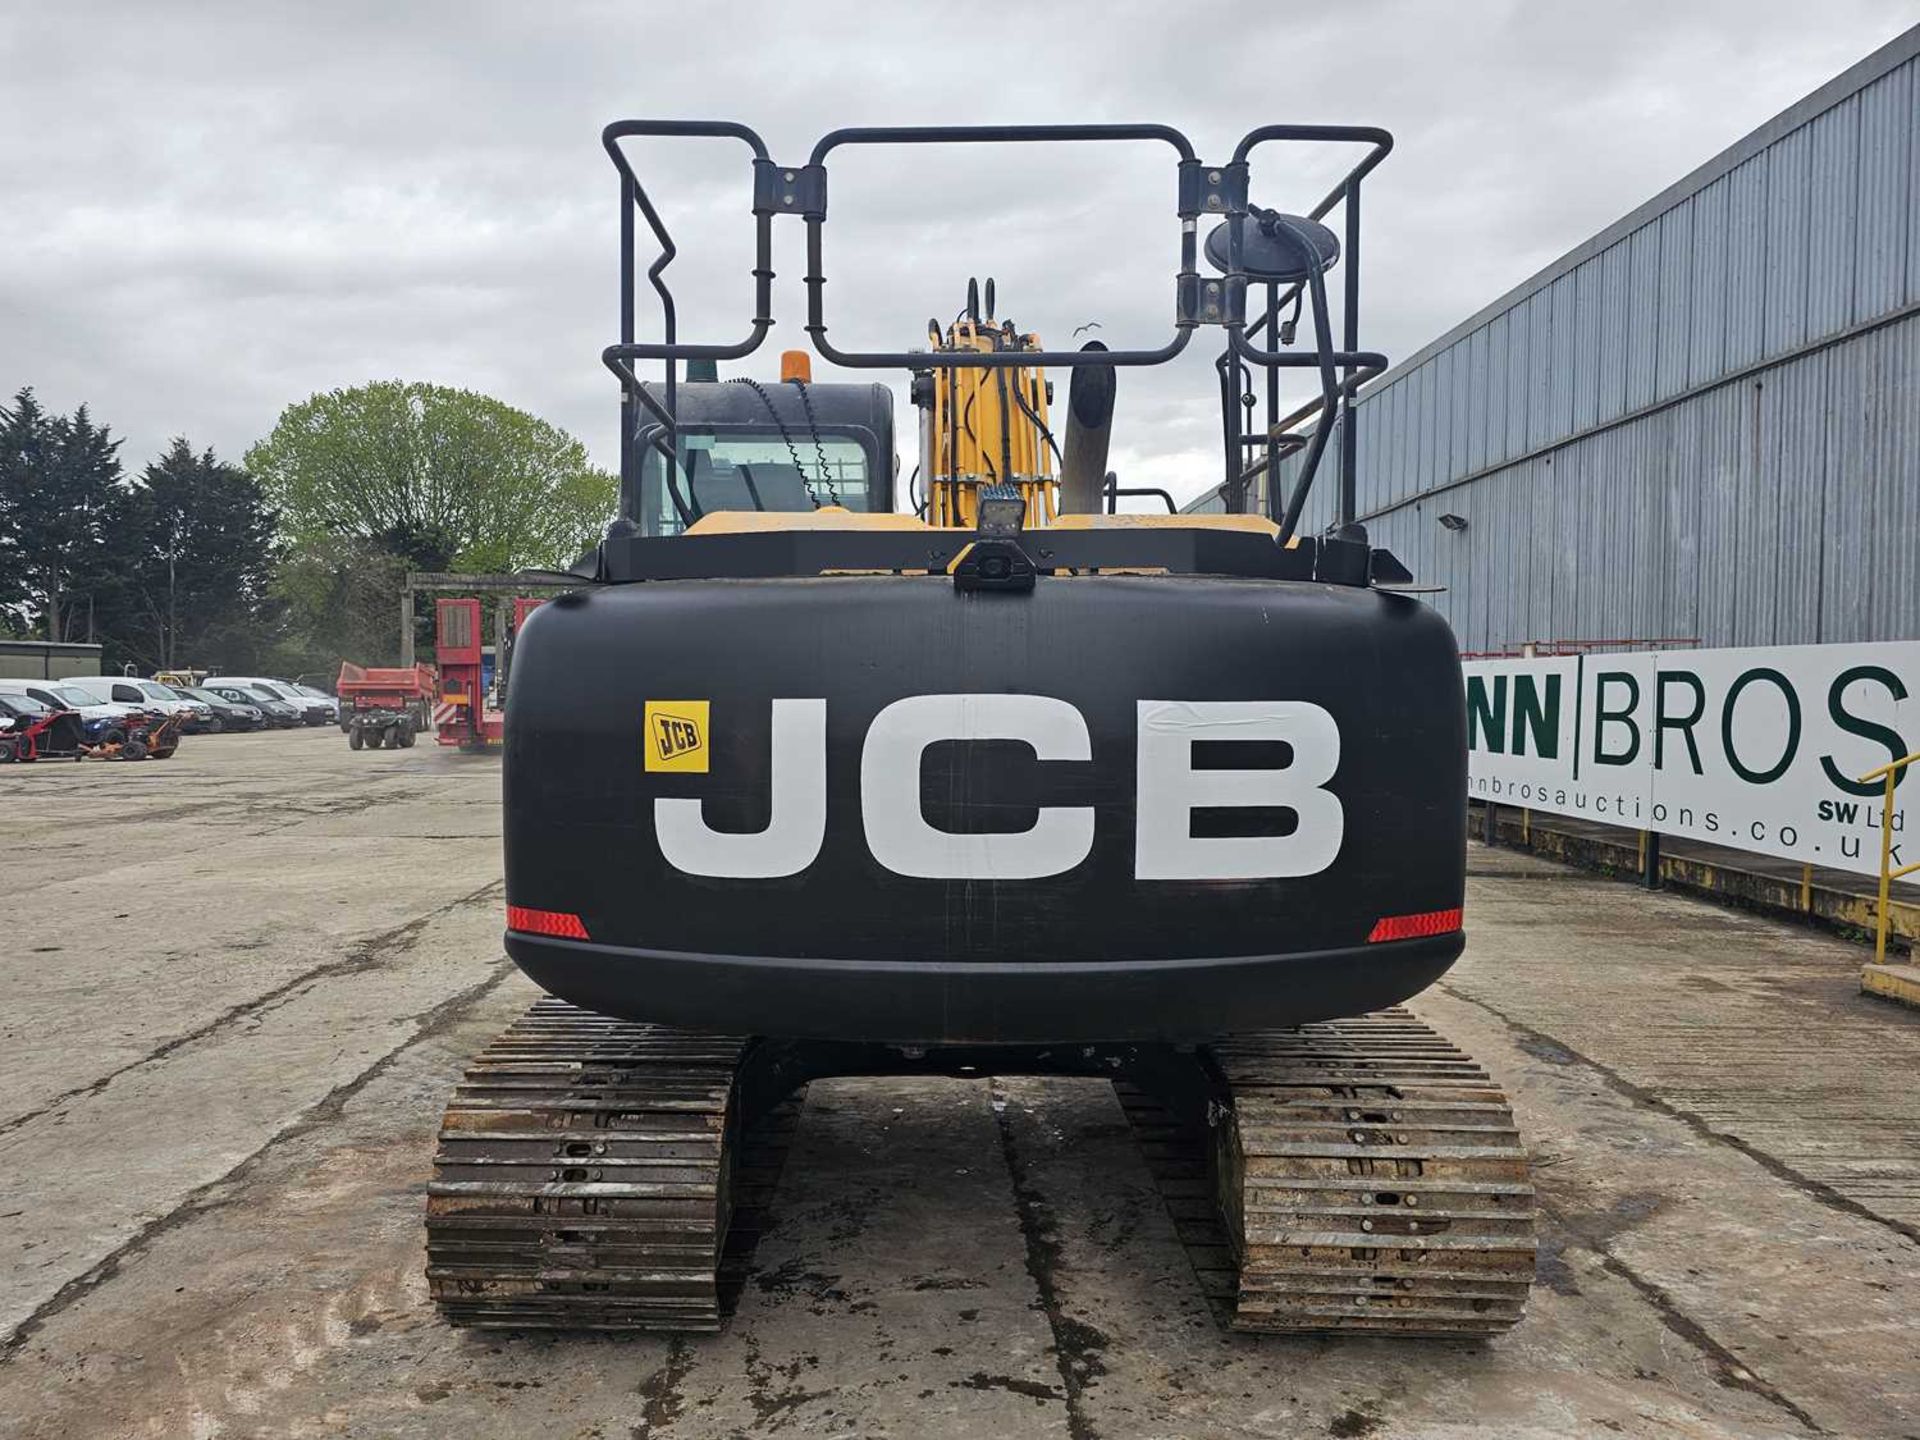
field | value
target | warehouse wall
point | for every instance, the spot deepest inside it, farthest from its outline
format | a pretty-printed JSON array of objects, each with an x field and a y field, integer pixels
[{"x": 1703, "y": 424}]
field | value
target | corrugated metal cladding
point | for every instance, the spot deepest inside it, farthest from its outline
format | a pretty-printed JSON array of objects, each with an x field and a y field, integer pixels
[{"x": 1702, "y": 424}]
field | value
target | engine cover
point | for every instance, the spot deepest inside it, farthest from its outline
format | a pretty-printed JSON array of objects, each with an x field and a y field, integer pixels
[{"x": 885, "y": 808}]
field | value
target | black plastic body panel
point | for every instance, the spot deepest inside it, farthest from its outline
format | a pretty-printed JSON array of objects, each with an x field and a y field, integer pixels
[
  {"x": 851, "y": 949},
  {"x": 985, "y": 1003}
]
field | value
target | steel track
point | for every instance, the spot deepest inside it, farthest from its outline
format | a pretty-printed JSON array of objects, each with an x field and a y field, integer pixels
[
  {"x": 1353, "y": 1176},
  {"x": 590, "y": 1175},
  {"x": 1363, "y": 1176}
]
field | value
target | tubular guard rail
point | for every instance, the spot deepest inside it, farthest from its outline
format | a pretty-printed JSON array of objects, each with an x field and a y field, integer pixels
[
  {"x": 1891, "y": 773},
  {"x": 1203, "y": 190}
]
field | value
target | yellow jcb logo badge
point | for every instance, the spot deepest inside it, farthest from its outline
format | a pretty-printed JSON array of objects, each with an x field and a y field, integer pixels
[{"x": 677, "y": 736}]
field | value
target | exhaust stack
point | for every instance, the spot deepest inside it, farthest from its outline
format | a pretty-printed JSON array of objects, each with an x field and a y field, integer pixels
[{"x": 1083, "y": 459}]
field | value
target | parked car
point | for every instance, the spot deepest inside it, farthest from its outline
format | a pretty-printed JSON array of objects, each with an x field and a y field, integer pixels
[
  {"x": 128, "y": 689},
  {"x": 314, "y": 692},
  {"x": 201, "y": 719},
  {"x": 280, "y": 714},
  {"x": 232, "y": 714},
  {"x": 314, "y": 709}
]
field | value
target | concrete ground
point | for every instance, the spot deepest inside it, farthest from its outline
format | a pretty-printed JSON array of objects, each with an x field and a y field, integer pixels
[{"x": 237, "y": 985}]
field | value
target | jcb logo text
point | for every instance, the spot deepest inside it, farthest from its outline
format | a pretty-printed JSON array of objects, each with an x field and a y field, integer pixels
[{"x": 1168, "y": 790}]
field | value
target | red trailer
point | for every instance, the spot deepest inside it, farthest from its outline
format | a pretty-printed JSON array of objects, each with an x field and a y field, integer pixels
[
  {"x": 383, "y": 706},
  {"x": 459, "y": 711},
  {"x": 461, "y": 714}
]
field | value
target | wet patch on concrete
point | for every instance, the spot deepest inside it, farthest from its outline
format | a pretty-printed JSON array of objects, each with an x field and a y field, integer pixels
[
  {"x": 1033, "y": 1389},
  {"x": 660, "y": 1399},
  {"x": 1077, "y": 1346},
  {"x": 1355, "y": 1423}
]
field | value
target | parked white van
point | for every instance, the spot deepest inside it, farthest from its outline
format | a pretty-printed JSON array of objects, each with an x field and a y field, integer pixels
[
  {"x": 148, "y": 694},
  {"x": 62, "y": 696}
]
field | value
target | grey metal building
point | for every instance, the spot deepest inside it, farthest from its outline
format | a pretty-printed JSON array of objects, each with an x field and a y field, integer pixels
[
  {"x": 1703, "y": 423},
  {"x": 47, "y": 659}
]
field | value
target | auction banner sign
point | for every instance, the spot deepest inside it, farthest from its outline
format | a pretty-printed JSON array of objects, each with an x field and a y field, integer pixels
[{"x": 1756, "y": 749}]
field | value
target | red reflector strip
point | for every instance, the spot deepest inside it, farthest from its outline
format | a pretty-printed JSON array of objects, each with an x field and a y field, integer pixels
[
  {"x": 1415, "y": 927},
  {"x": 545, "y": 922}
]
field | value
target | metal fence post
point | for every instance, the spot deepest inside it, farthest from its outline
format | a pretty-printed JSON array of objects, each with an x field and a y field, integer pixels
[{"x": 1886, "y": 866}]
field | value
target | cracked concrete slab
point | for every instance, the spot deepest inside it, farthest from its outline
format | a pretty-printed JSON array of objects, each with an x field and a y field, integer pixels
[
  {"x": 210, "y": 1195},
  {"x": 279, "y": 870}
]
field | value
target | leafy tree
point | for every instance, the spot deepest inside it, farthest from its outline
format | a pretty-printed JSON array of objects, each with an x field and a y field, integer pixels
[
  {"x": 60, "y": 492},
  {"x": 446, "y": 479},
  {"x": 340, "y": 598},
  {"x": 194, "y": 539},
  {"x": 20, "y": 430},
  {"x": 169, "y": 569}
]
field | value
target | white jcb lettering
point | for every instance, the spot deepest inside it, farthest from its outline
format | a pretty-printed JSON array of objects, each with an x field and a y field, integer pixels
[
  {"x": 795, "y": 828},
  {"x": 898, "y": 833},
  {"x": 1170, "y": 790}
]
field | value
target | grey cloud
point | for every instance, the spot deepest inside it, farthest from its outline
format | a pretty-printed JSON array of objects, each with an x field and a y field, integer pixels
[{"x": 212, "y": 211}]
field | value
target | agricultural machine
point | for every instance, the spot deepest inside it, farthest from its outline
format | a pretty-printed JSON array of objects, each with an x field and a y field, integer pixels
[
  {"x": 32, "y": 731},
  {"x": 384, "y": 707}
]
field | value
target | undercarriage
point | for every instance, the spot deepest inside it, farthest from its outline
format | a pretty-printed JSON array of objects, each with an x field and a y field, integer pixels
[{"x": 1357, "y": 1175}]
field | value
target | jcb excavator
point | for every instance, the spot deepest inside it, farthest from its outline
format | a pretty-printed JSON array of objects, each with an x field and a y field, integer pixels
[{"x": 798, "y": 786}]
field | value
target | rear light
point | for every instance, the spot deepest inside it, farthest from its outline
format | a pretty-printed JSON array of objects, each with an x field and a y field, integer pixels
[
  {"x": 557, "y": 923},
  {"x": 1415, "y": 927}
]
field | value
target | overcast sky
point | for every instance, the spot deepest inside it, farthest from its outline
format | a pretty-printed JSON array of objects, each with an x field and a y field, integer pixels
[{"x": 208, "y": 212}]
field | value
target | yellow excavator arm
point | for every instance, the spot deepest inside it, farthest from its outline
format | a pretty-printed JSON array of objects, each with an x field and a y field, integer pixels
[{"x": 985, "y": 426}]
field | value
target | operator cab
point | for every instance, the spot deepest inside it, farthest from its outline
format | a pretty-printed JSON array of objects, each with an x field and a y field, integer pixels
[{"x": 785, "y": 446}]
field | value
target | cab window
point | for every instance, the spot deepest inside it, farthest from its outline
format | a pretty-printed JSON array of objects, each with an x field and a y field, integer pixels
[{"x": 741, "y": 470}]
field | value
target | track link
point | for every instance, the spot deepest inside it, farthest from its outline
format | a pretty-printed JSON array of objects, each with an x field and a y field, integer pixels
[
  {"x": 1364, "y": 1176},
  {"x": 586, "y": 1177}
]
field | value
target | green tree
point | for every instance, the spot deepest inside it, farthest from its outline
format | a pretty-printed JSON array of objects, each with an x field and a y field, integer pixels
[
  {"x": 60, "y": 494},
  {"x": 445, "y": 479},
  {"x": 20, "y": 428},
  {"x": 340, "y": 598},
  {"x": 195, "y": 539}
]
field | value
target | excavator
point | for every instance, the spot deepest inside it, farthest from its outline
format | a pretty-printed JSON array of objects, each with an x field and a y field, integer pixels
[{"x": 810, "y": 777}]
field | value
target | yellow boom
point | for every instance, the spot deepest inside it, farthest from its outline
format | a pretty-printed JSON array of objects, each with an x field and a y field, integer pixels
[{"x": 986, "y": 426}]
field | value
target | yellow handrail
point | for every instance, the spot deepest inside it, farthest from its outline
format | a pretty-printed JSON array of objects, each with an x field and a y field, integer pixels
[{"x": 1892, "y": 770}]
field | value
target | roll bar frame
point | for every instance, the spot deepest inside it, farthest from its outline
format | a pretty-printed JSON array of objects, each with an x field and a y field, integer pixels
[{"x": 1203, "y": 191}]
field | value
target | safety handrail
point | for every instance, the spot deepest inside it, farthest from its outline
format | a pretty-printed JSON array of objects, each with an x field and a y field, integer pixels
[
  {"x": 1203, "y": 190},
  {"x": 1892, "y": 771},
  {"x": 815, "y": 279}
]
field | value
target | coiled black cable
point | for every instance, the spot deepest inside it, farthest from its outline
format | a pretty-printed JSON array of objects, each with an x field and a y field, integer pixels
[{"x": 792, "y": 449}]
